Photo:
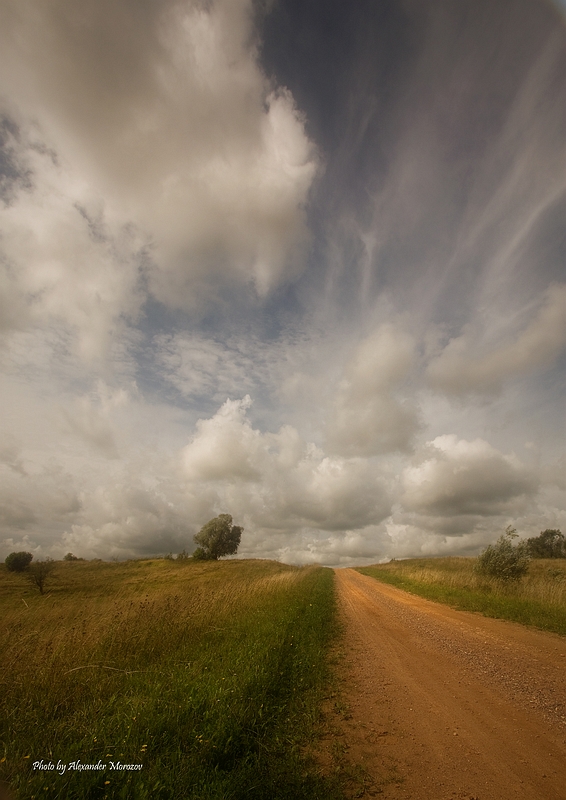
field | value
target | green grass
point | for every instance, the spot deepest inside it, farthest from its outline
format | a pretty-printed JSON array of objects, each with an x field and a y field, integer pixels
[
  {"x": 209, "y": 675},
  {"x": 538, "y": 600}
]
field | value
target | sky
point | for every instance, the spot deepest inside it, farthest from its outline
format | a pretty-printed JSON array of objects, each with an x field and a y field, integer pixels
[{"x": 301, "y": 262}]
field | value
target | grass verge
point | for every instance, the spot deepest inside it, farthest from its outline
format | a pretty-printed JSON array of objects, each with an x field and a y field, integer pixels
[
  {"x": 208, "y": 675},
  {"x": 538, "y": 600}
]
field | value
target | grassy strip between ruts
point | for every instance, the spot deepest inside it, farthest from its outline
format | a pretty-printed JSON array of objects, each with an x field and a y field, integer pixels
[
  {"x": 209, "y": 675},
  {"x": 538, "y": 600}
]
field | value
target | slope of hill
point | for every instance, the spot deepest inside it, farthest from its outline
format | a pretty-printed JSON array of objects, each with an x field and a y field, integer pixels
[{"x": 164, "y": 679}]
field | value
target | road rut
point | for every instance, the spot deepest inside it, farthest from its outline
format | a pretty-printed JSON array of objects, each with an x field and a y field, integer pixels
[{"x": 449, "y": 705}]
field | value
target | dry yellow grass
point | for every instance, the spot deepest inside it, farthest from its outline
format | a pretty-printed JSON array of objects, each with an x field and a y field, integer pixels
[{"x": 539, "y": 598}]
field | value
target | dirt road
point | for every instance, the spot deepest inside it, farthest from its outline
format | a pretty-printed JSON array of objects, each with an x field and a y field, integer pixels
[{"x": 448, "y": 705}]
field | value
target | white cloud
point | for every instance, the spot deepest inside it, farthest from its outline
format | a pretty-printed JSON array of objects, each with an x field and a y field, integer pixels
[
  {"x": 198, "y": 366},
  {"x": 286, "y": 492},
  {"x": 368, "y": 417},
  {"x": 132, "y": 515},
  {"x": 89, "y": 418},
  {"x": 462, "y": 367},
  {"x": 455, "y": 478},
  {"x": 178, "y": 131},
  {"x": 279, "y": 481},
  {"x": 224, "y": 447},
  {"x": 61, "y": 266},
  {"x": 45, "y": 498},
  {"x": 145, "y": 156}
]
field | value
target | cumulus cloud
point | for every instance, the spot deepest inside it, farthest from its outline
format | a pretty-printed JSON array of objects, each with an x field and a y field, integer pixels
[
  {"x": 461, "y": 369},
  {"x": 42, "y": 497},
  {"x": 457, "y": 478},
  {"x": 102, "y": 509},
  {"x": 129, "y": 516},
  {"x": 156, "y": 185},
  {"x": 287, "y": 493},
  {"x": 278, "y": 481},
  {"x": 166, "y": 115},
  {"x": 61, "y": 265},
  {"x": 368, "y": 417},
  {"x": 90, "y": 418},
  {"x": 224, "y": 447}
]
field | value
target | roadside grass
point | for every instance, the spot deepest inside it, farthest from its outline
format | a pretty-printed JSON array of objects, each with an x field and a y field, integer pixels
[
  {"x": 208, "y": 674},
  {"x": 539, "y": 599}
]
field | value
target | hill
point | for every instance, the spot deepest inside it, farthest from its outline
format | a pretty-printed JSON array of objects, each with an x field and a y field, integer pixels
[{"x": 164, "y": 679}]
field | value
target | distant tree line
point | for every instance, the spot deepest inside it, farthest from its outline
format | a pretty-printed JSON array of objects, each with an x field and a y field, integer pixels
[{"x": 548, "y": 544}]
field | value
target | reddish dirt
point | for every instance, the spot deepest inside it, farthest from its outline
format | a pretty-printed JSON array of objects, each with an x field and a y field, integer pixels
[{"x": 437, "y": 704}]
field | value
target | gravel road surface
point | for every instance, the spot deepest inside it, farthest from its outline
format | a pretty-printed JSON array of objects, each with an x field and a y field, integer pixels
[{"x": 447, "y": 705}]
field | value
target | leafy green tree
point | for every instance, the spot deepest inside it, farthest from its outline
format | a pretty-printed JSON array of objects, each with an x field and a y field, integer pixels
[
  {"x": 217, "y": 538},
  {"x": 39, "y": 571},
  {"x": 504, "y": 560},
  {"x": 18, "y": 562},
  {"x": 70, "y": 557},
  {"x": 548, "y": 544}
]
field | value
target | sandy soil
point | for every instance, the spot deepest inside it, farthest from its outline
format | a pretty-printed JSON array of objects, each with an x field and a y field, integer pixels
[{"x": 437, "y": 704}]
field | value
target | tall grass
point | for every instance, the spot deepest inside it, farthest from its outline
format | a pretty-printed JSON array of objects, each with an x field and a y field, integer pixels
[
  {"x": 208, "y": 675},
  {"x": 539, "y": 599}
]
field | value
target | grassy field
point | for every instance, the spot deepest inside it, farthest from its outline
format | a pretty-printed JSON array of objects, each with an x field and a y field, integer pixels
[
  {"x": 539, "y": 599},
  {"x": 208, "y": 675}
]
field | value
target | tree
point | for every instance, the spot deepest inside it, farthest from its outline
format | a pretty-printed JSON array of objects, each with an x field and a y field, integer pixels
[
  {"x": 504, "y": 560},
  {"x": 37, "y": 573},
  {"x": 217, "y": 538},
  {"x": 548, "y": 544},
  {"x": 70, "y": 557},
  {"x": 18, "y": 562}
]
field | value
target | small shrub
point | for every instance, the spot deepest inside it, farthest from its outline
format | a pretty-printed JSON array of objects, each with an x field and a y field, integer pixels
[
  {"x": 70, "y": 557},
  {"x": 38, "y": 573},
  {"x": 504, "y": 560},
  {"x": 18, "y": 562},
  {"x": 183, "y": 555}
]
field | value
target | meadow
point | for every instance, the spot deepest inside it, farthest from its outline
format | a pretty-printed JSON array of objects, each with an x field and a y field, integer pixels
[
  {"x": 199, "y": 679},
  {"x": 538, "y": 599}
]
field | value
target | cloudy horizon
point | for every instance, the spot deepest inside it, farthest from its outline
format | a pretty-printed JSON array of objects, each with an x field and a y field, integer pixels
[{"x": 302, "y": 263}]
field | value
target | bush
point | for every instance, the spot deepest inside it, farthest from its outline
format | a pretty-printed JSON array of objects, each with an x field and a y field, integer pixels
[
  {"x": 504, "y": 560},
  {"x": 70, "y": 557},
  {"x": 18, "y": 562},
  {"x": 38, "y": 572}
]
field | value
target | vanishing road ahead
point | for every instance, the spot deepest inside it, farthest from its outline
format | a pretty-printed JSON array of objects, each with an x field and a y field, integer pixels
[{"x": 449, "y": 705}]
